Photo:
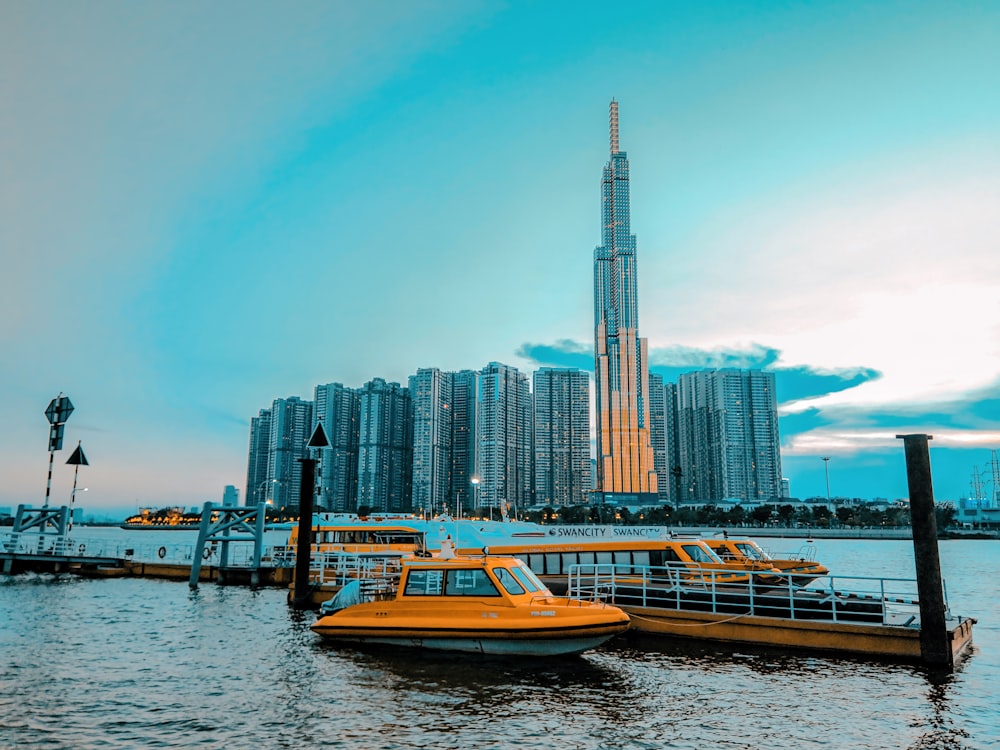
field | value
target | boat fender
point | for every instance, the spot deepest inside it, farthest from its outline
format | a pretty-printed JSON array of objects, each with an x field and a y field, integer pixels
[
  {"x": 83, "y": 548},
  {"x": 161, "y": 552},
  {"x": 206, "y": 554}
]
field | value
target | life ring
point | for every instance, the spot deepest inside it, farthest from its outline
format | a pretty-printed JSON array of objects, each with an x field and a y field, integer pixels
[
  {"x": 161, "y": 552},
  {"x": 206, "y": 554},
  {"x": 82, "y": 548}
]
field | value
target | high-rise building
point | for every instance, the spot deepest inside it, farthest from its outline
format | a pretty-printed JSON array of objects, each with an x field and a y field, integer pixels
[
  {"x": 658, "y": 434},
  {"x": 671, "y": 430},
  {"x": 256, "y": 490},
  {"x": 625, "y": 465},
  {"x": 562, "y": 436},
  {"x": 730, "y": 447},
  {"x": 385, "y": 448},
  {"x": 339, "y": 409},
  {"x": 463, "y": 439},
  {"x": 431, "y": 391},
  {"x": 503, "y": 438},
  {"x": 291, "y": 428}
]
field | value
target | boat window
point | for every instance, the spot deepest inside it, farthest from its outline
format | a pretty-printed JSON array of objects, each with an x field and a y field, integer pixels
[
  {"x": 751, "y": 550},
  {"x": 528, "y": 579},
  {"x": 469, "y": 583},
  {"x": 424, "y": 583},
  {"x": 623, "y": 557},
  {"x": 537, "y": 563},
  {"x": 552, "y": 563},
  {"x": 604, "y": 558},
  {"x": 641, "y": 557},
  {"x": 700, "y": 554},
  {"x": 508, "y": 581},
  {"x": 586, "y": 558}
]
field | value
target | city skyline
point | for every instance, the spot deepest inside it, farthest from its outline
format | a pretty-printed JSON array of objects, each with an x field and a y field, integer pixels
[{"x": 207, "y": 208}]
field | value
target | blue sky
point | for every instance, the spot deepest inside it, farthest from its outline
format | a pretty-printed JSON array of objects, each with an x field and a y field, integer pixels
[{"x": 204, "y": 207}]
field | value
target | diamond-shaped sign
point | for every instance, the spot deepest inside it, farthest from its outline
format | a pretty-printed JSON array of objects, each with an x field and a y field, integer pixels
[{"x": 59, "y": 409}]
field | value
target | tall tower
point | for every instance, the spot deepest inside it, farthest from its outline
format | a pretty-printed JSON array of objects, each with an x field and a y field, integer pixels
[
  {"x": 730, "y": 443},
  {"x": 621, "y": 371},
  {"x": 562, "y": 436},
  {"x": 339, "y": 409},
  {"x": 503, "y": 438}
]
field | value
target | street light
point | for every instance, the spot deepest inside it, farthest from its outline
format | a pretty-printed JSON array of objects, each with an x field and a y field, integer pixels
[
  {"x": 475, "y": 480},
  {"x": 826, "y": 463}
]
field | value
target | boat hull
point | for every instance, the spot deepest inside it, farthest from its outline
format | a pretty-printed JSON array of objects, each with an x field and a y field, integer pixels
[
  {"x": 492, "y": 645},
  {"x": 546, "y": 630}
]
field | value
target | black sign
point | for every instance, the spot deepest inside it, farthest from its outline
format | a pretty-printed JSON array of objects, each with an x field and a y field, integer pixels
[
  {"x": 56, "y": 437},
  {"x": 59, "y": 409}
]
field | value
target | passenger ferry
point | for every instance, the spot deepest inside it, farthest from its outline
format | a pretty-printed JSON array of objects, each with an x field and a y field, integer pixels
[
  {"x": 550, "y": 552},
  {"x": 163, "y": 519},
  {"x": 482, "y": 604}
]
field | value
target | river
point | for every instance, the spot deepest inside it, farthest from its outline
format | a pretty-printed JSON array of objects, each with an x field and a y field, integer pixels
[{"x": 133, "y": 663}]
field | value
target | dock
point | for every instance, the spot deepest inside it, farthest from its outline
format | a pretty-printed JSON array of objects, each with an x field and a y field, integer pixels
[{"x": 847, "y": 615}]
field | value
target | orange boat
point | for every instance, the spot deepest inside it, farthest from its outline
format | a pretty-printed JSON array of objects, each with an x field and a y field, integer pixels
[
  {"x": 800, "y": 569},
  {"x": 479, "y": 604}
]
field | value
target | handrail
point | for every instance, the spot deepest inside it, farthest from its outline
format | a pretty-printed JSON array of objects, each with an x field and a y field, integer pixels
[{"x": 833, "y": 598}]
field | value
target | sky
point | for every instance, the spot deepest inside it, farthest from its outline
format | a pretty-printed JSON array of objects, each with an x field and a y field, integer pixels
[{"x": 208, "y": 206}]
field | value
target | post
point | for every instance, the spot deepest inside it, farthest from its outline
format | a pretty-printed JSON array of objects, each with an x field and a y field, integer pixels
[
  {"x": 304, "y": 548},
  {"x": 935, "y": 645}
]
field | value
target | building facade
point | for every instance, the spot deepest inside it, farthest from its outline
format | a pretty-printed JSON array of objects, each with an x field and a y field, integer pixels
[
  {"x": 431, "y": 391},
  {"x": 625, "y": 464},
  {"x": 291, "y": 428},
  {"x": 562, "y": 436},
  {"x": 258, "y": 457},
  {"x": 730, "y": 446},
  {"x": 339, "y": 409},
  {"x": 385, "y": 448},
  {"x": 503, "y": 439}
]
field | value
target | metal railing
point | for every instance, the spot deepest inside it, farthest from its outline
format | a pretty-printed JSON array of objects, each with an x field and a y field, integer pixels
[
  {"x": 885, "y": 601},
  {"x": 77, "y": 545}
]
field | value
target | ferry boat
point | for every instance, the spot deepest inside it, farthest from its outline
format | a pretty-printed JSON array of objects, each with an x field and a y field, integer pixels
[
  {"x": 483, "y": 604},
  {"x": 163, "y": 519},
  {"x": 802, "y": 567},
  {"x": 550, "y": 552}
]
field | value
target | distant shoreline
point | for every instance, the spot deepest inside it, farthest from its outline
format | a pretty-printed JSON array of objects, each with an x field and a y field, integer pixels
[{"x": 789, "y": 532}]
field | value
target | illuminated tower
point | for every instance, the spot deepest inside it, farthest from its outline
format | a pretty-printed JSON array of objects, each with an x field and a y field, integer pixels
[{"x": 621, "y": 372}]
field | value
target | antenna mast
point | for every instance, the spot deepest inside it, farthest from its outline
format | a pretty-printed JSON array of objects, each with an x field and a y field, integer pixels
[{"x": 614, "y": 126}]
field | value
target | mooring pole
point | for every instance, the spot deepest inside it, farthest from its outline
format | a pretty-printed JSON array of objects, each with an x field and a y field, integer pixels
[
  {"x": 935, "y": 645},
  {"x": 302, "y": 551}
]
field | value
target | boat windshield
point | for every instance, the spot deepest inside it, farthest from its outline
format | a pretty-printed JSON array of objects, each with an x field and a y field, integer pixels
[
  {"x": 701, "y": 554},
  {"x": 527, "y": 578},
  {"x": 508, "y": 581},
  {"x": 752, "y": 551}
]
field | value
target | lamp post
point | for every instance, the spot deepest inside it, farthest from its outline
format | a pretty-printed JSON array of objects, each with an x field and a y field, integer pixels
[
  {"x": 826, "y": 462},
  {"x": 475, "y": 480}
]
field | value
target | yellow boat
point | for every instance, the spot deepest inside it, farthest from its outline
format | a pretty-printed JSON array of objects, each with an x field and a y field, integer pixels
[
  {"x": 485, "y": 604},
  {"x": 800, "y": 569}
]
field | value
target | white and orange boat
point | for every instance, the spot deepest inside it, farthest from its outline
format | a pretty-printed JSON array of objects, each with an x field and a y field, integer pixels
[
  {"x": 800, "y": 568},
  {"x": 481, "y": 604}
]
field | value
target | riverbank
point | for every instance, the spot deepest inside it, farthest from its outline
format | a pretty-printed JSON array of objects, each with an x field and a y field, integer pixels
[{"x": 786, "y": 532}]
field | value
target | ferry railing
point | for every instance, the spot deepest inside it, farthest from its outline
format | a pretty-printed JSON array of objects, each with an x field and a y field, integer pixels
[
  {"x": 885, "y": 601},
  {"x": 338, "y": 568}
]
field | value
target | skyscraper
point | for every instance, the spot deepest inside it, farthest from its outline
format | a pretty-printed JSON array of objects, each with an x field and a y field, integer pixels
[
  {"x": 258, "y": 457},
  {"x": 503, "y": 438},
  {"x": 562, "y": 436},
  {"x": 430, "y": 389},
  {"x": 621, "y": 371},
  {"x": 729, "y": 435},
  {"x": 385, "y": 447},
  {"x": 339, "y": 409},
  {"x": 291, "y": 428}
]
